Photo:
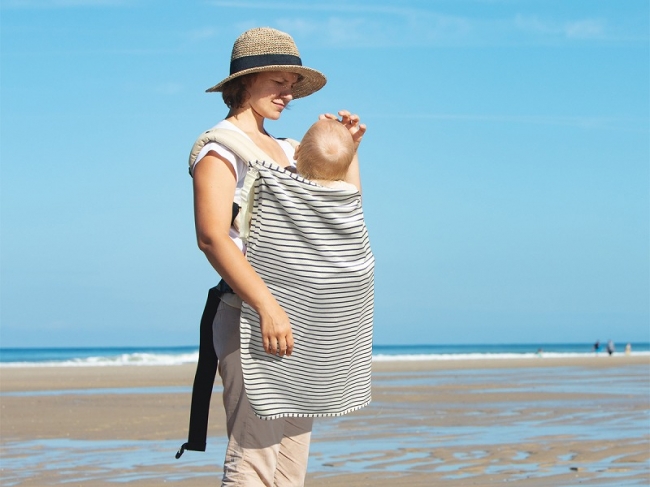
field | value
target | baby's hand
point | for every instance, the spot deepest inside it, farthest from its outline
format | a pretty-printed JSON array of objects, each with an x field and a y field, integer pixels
[{"x": 351, "y": 122}]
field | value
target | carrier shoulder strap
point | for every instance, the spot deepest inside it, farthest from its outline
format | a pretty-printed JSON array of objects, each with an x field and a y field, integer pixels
[{"x": 238, "y": 143}]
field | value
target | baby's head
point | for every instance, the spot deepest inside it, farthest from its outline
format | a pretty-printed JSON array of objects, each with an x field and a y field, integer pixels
[{"x": 325, "y": 152}]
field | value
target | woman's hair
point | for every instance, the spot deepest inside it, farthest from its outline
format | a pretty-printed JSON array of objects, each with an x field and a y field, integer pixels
[
  {"x": 235, "y": 92},
  {"x": 326, "y": 151}
]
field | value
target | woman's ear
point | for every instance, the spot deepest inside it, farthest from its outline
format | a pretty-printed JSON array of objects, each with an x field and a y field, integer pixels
[{"x": 295, "y": 153}]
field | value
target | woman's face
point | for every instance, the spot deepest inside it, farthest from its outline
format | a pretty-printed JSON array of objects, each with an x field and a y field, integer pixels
[{"x": 270, "y": 93}]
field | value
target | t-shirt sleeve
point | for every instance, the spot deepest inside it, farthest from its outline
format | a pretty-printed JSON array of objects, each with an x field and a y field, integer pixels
[{"x": 222, "y": 151}]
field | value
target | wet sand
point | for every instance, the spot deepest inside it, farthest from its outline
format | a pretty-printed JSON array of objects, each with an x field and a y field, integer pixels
[{"x": 536, "y": 422}]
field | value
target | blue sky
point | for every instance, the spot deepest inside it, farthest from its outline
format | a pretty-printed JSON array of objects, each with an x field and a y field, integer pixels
[{"x": 505, "y": 168}]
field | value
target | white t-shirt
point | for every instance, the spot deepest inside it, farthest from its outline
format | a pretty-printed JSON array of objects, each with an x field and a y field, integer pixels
[{"x": 239, "y": 165}]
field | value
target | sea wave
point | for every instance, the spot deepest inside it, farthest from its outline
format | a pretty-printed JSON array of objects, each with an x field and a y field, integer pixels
[
  {"x": 114, "y": 361},
  {"x": 161, "y": 359},
  {"x": 493, "y": 356}
]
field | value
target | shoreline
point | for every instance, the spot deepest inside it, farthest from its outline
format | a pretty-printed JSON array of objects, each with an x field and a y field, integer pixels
[
  {"x": 116, "y": 356},
  {"x": 47, "y": 378}
]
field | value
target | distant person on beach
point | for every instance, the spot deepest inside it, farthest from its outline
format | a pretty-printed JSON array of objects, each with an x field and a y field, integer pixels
[
  {"x": 325, "y": 153},
  {"x": 610, "y": 347},
  {"x": 628, "y": 349},
  {"x": 597, "y": 346}
]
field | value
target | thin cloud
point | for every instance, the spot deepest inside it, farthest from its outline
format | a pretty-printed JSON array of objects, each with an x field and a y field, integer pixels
[
  {"x": 169, "y": 88},
  {"x": 585, "y": 122},
  {"x": 57, "y": 4},
  {"x": 353, "y": 31},
  {"x": 202, "y": 34},
  {"x": 585, "y": 29},
  {"x": 319, "y": 7},
  {"x": 343, "y": 25},
  {"x": 379, "y": 26},
  {"x": 577, "y": 29}
]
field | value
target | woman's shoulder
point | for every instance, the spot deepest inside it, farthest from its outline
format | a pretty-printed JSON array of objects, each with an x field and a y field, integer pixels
[{"x": 205, "y": 145}]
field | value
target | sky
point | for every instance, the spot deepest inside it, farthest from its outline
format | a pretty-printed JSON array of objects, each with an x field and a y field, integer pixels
[{"x": 505, "y": 169}]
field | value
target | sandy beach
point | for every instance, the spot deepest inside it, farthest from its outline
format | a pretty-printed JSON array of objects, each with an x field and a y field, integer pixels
[{"x": 534, "y": 422}]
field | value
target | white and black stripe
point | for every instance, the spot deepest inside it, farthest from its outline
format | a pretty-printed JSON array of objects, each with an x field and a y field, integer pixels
[{"x": 310, "y": 246}]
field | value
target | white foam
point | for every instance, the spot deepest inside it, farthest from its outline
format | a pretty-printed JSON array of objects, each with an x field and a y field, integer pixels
[
  {"x": 158, "y": 359},
  {"x": 493, "y": 356},
  {"x": 118, "y": 360}
]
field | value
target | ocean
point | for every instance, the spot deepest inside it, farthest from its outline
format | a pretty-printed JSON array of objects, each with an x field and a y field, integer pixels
[{"x": 117, "y": 356}]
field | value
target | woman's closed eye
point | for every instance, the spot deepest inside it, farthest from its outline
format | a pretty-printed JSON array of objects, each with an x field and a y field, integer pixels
[{"x": 284, "y": 84}]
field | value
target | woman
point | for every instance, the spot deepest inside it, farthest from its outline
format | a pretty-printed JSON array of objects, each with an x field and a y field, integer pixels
[{"x": 266, "y": 74}]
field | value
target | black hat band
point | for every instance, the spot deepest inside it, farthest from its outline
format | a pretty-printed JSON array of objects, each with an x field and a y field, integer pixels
[{"x": 259, "y": 60}]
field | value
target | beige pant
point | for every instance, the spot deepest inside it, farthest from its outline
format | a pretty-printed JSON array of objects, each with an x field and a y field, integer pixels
[{"x": 270, "y": 453}]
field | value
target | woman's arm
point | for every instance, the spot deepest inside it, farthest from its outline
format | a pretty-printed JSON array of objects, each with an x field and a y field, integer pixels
[{"x": 214, "y": 189}]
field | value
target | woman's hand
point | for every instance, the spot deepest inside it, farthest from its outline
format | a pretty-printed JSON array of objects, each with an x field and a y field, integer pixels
[
  {"x": 276, "y": 331},
  {"x": 351, "y": 122}
]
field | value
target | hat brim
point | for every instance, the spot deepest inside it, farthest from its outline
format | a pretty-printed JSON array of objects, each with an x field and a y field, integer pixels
[{"x": 311, "y": 80}]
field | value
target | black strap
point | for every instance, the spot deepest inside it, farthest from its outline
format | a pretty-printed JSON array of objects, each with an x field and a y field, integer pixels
[
  {"x": 206, "y": 370},
  {"x": 235, "y": 212}
]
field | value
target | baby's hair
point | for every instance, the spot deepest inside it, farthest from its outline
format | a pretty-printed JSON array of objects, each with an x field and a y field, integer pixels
[{"x": 326, "y": 151}]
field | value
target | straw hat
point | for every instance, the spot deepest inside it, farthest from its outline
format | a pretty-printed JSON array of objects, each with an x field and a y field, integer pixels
[{"x": 266, "y": 49}]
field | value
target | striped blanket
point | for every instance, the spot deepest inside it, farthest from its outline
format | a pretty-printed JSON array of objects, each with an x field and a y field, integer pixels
[{"x": 310, "y": 246}]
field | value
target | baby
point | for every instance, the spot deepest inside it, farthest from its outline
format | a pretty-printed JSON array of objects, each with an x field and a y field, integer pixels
[
  {"x": 323, "y": 157},
  {"x": 325, "y": 154}
]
